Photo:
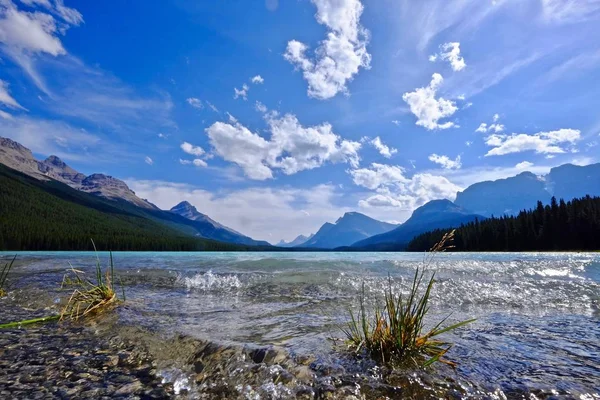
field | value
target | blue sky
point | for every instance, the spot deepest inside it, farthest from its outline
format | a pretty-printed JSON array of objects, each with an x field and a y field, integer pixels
[{"x": 274, "y": 117}]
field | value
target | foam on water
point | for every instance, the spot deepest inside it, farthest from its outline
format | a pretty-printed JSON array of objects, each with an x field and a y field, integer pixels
[{"x": 209, "y": 281}]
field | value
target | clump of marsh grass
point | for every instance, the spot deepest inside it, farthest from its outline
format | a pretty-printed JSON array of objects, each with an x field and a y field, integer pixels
[
  {"x": 4, "y": 275},
  {"x": 90, "y": 296},
  {"x": 394, "y": 334}
]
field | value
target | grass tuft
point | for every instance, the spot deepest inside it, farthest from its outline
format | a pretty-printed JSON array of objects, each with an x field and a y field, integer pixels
[
  {"x": 90, "y": 297},
  {"x": 394, "y": 334},
  {"x": 4, "y": 275}
]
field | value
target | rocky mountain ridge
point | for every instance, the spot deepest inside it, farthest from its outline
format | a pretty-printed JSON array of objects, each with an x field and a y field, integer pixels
[{"x": 20, "y": 158}]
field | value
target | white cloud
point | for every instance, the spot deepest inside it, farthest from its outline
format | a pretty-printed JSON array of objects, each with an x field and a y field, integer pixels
[
  {"x": 291, "y": 148},
  {"x": 199, "y": 163},
  {"x": 243, "y": 92},
  {"x": 5, "y": 115},
  {"x": 254, "y": 211},
  {"x": 524, "y": 165},
  {"x": 379, "y": 175},
  {"x": 484, "y": 128},
  {"x": 195, "y": 102},
  {"x": 6, "y": 98},
  {"x": 258, "y": 80},
  {"x": 445, "y": 161},
  {"x": 495, "y": 127},
  {"x": 396, "y": 122},
  {"x": 541, "y": 142},
  {"x": 583, "y": 161},
  {"x": 427, "y": 108},
  {"x": 196, "y": 162},
  {"x": 469, "y": 143},
  {"x": 24, "y": 35},
  {"x": 148, "y": 160},
  {"x": 450, "y": 52},
  {"x": 69, "y": 15},
  {"x": 569, "y": 11},
  {"x": 394, "y": 189},
  {"x": 191, "y": 149},
  {"x": 340, "y": 56},
  {"x": 212, "y": 107},
  {"x": 383, "y": 149},
  {"x": 260, "y": 107},
  {"x": 163, "y": 136}
]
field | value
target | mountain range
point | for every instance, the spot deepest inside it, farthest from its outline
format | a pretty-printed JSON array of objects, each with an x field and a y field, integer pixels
[
  {"x": 433, "y": 215},
  {"x": 521, "y": 192},
  {"x": 183, "y": 218},
  {"x": 300, "y": 239},
  {"x": 350, "y": 228},
  {"x": 122, "y": 214}
]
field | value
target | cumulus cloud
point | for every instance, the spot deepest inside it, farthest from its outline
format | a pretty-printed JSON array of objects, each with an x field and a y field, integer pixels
[
  {"x": 340, "y": 56},
  {"x": 257, "y": 80},
  {"x": 394, "y": 189},
  {"x": 494, "y": 127},
  {"x": 450, "y": 52},
  {"x": 541, "y": 143},
  {"x": 291, "y": 148},
  {"x": 427, "y": 108},
  {"x": 524, "y": 165},
  {"x": 383, "y": 149},
  {"x": 195, "y": 102},
  {"x": 243, "y": 92},
  {"x": 445, "y": 161},
  {"x": 148, "y": 160},
  {"x": 191, "y": 149},
  {"x": 484, "y": 128}
]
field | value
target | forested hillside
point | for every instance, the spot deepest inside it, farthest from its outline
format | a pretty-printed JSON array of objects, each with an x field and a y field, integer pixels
[
  {"x": 36, "y": 215},
  {"x": 573, "y": 225}
]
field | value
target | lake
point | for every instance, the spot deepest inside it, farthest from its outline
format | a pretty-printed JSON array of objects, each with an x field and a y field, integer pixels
[{"x": 537, "y": 333}]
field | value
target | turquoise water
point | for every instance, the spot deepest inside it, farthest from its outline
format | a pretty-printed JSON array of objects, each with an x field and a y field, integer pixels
[{"x": 538, "y": 314}]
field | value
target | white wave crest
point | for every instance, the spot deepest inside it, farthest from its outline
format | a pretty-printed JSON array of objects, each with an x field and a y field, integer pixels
[{"x": 208, "y": 281}]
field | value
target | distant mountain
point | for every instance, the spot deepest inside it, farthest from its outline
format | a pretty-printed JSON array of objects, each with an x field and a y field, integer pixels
[
  {"x": 45, "y": 214},
  {"x": 570, "y": 181},
  {"x": 300, "y": 240},
  {"x": 20, "y": 158},
  {"x": 348, "y": 229},
  {"x": 511, "y": 195},
  {"x": 209, "y": 228},
  {"x": 433, "y": 215}
]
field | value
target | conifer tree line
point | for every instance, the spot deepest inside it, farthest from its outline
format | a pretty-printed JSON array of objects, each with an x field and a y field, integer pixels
[
  {"x": 572, "y": 225},
  {"x": 46, "y": 216}
]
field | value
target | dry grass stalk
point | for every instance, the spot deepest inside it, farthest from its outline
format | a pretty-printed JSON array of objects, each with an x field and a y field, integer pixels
[{"x": 394, "y": 334}]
